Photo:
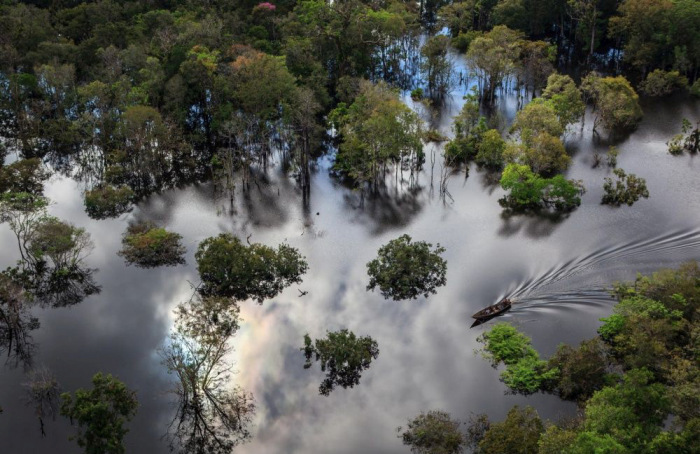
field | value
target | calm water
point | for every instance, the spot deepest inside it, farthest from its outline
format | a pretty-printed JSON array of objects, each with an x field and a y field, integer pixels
[{"x": 557, "y": 270}]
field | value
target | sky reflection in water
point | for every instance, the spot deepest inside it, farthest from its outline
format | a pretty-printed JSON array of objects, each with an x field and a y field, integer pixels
[{"x": 557, "y": 269}]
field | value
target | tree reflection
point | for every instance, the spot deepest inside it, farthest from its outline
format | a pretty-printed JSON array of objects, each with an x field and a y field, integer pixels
[
  {"x": 16, "y": 323},
  {"x": 42, "y": 394},
  {"x": 210, "y": 416},
  {"x": 51, "y": 271}
]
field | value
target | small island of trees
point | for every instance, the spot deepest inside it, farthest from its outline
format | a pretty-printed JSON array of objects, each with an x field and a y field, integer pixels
[{"x": 405, "y": 269}]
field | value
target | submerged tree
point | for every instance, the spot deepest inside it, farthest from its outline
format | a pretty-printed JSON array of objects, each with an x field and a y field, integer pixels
[
  {"x": 434, "y": 432},
  {"x": 625, "y": 189},
  {"x": 343, "y": 357},
  {"x": 688, "y": 140},
  {"x": 495, "y": 56},
  {"x": 147, "y": 245},
  {"x": 615, "y": 102},
  {"x": 436, "y": 65},
  {"x": 231, "y": 269},
  {"x": 525, "y": 372},
  {"x": 211, "y": 417},
  {"x": 378, "y": 131},
  {"x": 529, "y": 191},
  {"x": 405, "y": 270},
  {"x": 101, "y": 413}
]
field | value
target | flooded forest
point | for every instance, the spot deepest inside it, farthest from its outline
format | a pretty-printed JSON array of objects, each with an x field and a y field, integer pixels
[{"x": 350, "y": 226}]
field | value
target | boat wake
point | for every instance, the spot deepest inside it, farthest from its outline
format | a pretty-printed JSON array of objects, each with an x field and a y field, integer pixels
[{"x": 659, "y": 251}]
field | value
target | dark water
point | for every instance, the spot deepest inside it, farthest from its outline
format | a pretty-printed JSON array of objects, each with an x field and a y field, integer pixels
[{"x": 557, "y": 271}]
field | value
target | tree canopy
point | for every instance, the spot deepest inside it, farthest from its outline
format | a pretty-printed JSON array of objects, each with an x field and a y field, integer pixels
[
  {"x": 101, "y": 413},
  {"x": 405, "y": 270},
  {"x": 342, "y": 355},
  {"x": 232, "y": 269}
]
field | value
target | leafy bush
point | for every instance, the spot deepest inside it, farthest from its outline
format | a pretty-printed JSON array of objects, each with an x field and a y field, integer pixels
[{"x": 147, "y": 245}]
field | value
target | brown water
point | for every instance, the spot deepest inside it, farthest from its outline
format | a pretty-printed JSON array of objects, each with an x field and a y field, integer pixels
[{"x": 556, "y": 270}]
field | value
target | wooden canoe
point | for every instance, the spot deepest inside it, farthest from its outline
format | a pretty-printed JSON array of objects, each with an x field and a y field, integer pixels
[{"x": 494, "y": 309}]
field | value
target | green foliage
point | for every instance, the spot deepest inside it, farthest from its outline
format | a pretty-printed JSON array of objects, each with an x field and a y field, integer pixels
[
  {"x": 231, "y": 269},
  {"x": 695, "y": 89},
  {"x": 101, "y": 413},
  {"x": 377, "y": 130},
  {"x": 405, "y": 270},
  {"x": 462, "y": 41},
  {"x": 491, "y": 150},
  {"x": 343, "y": 357},
  {"x": 614, "y": 100},
  {"x": 630, "y": 412},
  {"x": 433, "y": 432},
  {"x": 688, "y": 140},
  {"x": 495, "y": 55},
  {"x": 565, "y": 97},
  {"x": 436, "y": 65},
  {"x": 146, "y": 245},
  {"x": 108, "y": 201},
  {"x": 25, "y": 175},
  {"x": 517, "y": 434},
  {"x": 555, "y": 440},
  {"x": 641, "y": 370},
  {"x": 529, "y": 191},
  {"x": 582, "y": 370},
  {"x": 525, "y": 373},
  {"x": 625, "y": 189},
  {"x": 662, "y": 83},
  {"x": 539, "y": 128},
  {"x": 469, "y": 127}
]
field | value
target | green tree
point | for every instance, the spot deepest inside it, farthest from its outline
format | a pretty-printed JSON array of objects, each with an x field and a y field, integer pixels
[
  {"x": 468, "y": 127},
  {"x": 525, "y": 373},
  {"x": 405, "y": 270},
  {"x": 343, "y": 357},
  {"x": 688, "y": 140},
  {"x": 517, "y": 434},
  {"x": 101, "y": 413},
  {"x": 108, "y": 201},
  {"x": 436, "y": 65},
  {"x": 644, "y": 27},
  {"x": 582, "y": 370},
  {"x": 25, "y": 175},
  {"x": 662, "y": 83},
  {"x": 625, "y": 189},
  {"x": 615, "y": 102},
  {"x": 529, "y": 191},
  {"x": 495, "y": 56},
  {"x": 565, "y": 97},
  {"x": 231, "y": 269},
  {"x": 377, "y": 130},
  {"x": 491, "y": 150},
  {"x": 147, "y": 245},
  {"x": 434, "y": 432}
]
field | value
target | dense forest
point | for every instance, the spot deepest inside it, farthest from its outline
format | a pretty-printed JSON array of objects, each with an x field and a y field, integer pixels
[{"x": 134, "y": 98}]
